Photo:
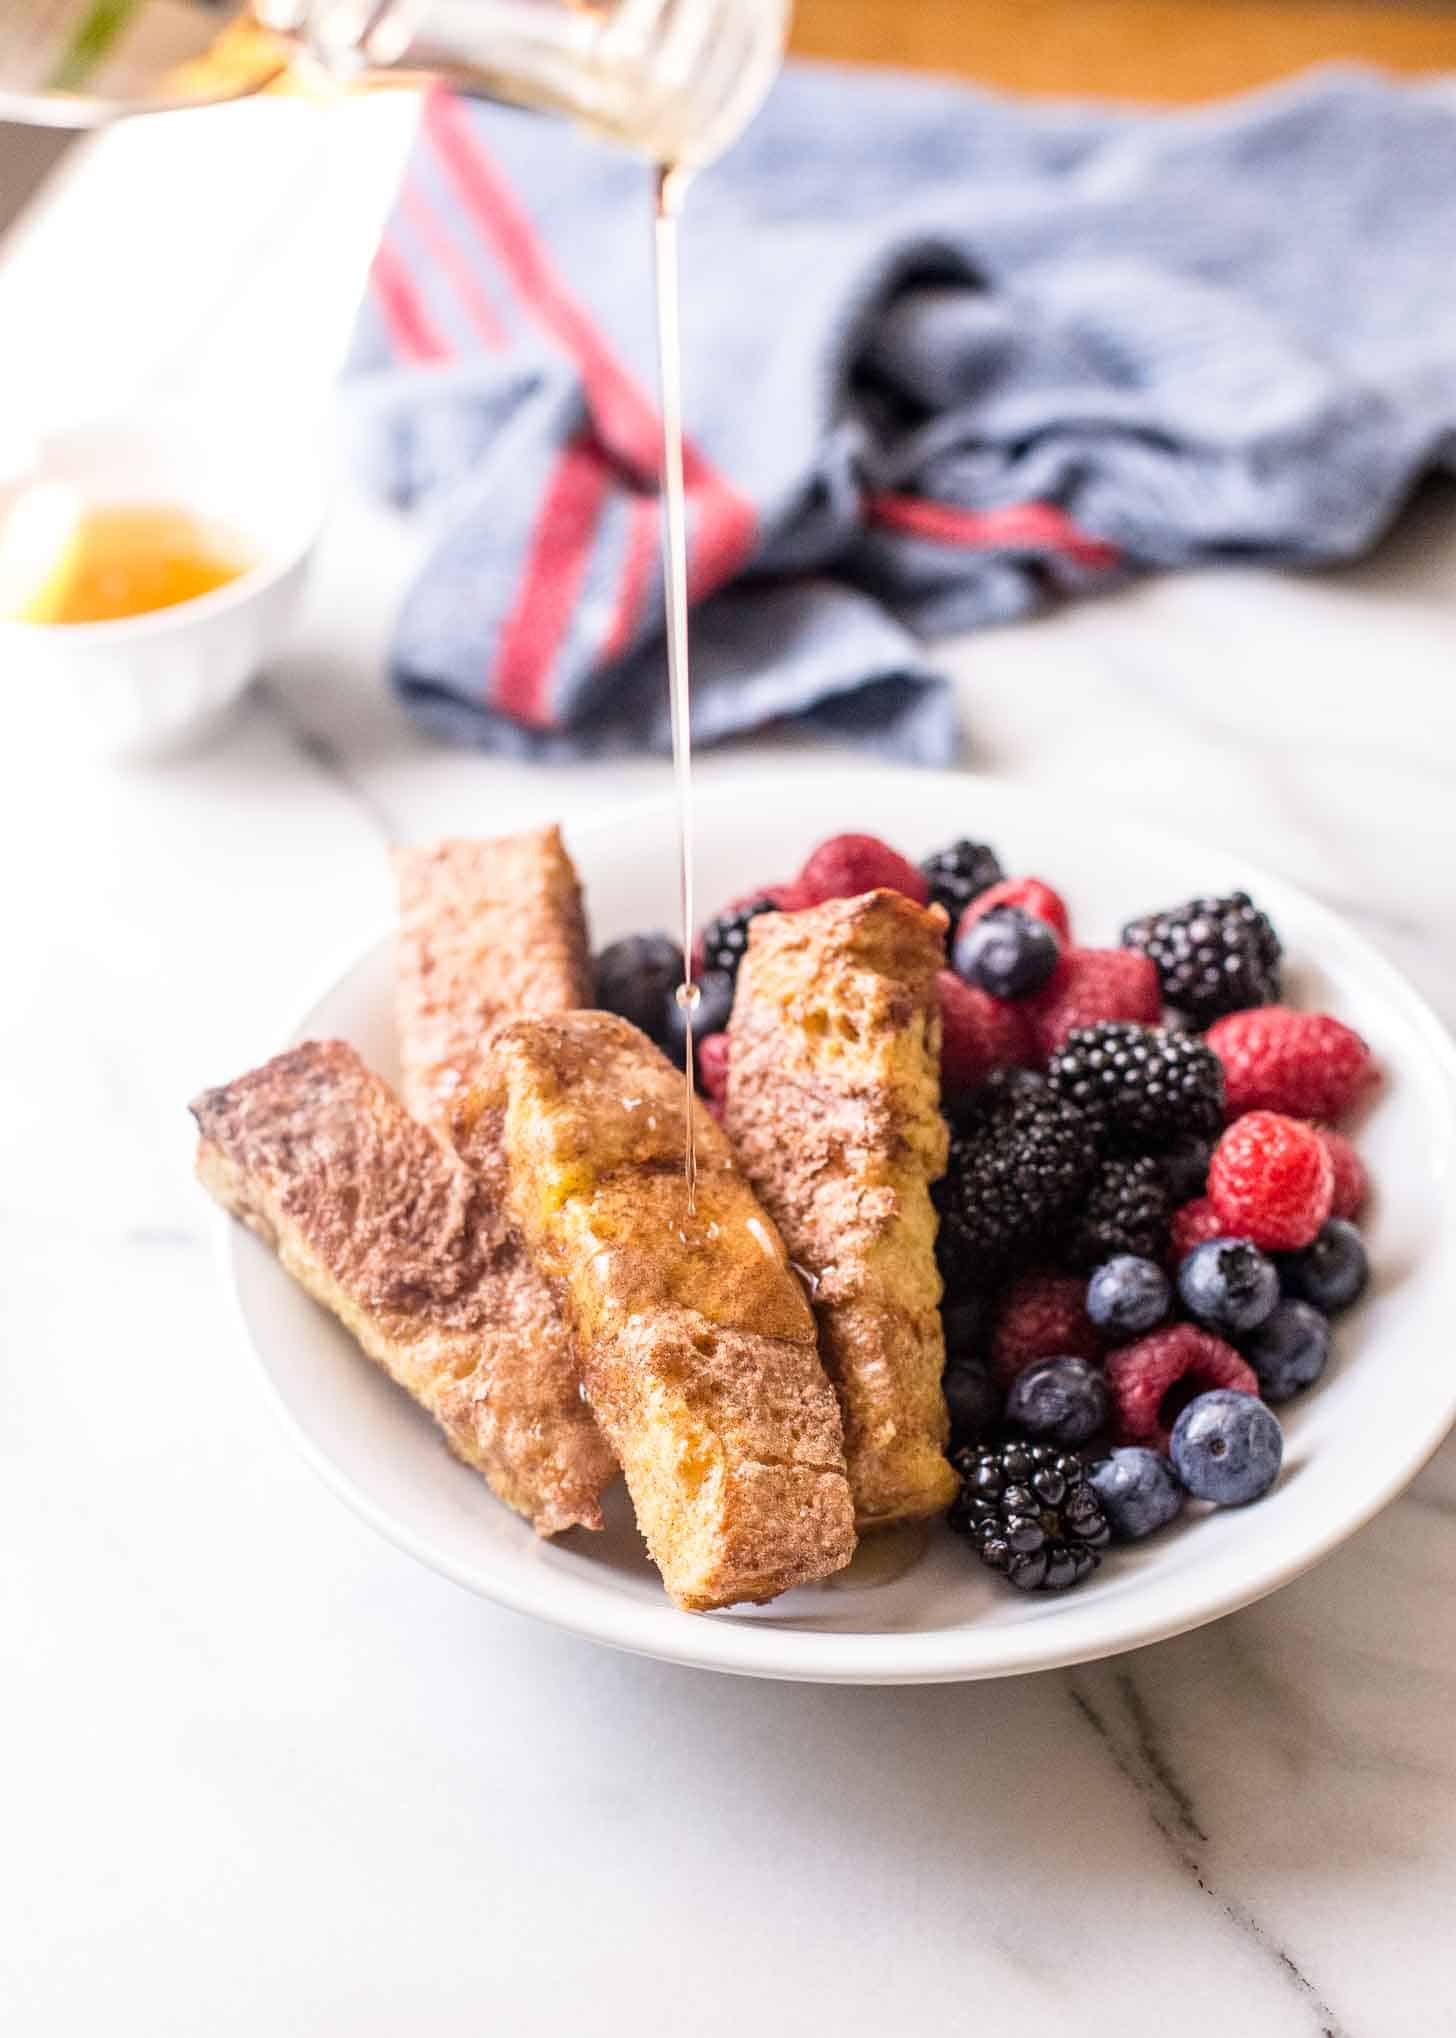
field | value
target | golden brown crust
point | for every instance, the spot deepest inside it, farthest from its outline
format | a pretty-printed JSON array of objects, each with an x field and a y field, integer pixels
[
  {"x": 697, "y": 1347},
  {"x": 834, "y": 1111},
  {"x": 410, "y": 1250},
  {"x": 487, "y": 929}
]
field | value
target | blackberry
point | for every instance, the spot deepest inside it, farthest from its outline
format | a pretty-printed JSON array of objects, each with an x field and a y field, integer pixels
[
  {"x": 1212, "y": 955},
  {"x": 725, "y": 940},
  {"x": 1127, "y": 1210},
  {"x": 1030, "y": 1513},
  {"x": 959, "y": 874},
  {"x": 1185, "y": 1164},
  {"x": 963, "y": 1107},
  {"x": 1019, "y": 1159},
  {"x": 1140, "y": 1086}
]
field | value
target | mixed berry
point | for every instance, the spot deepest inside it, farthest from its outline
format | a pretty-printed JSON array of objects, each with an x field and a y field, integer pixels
[
  {"x": 1031, "y": 1513},
  {"x": 1148, "y": 1217}
]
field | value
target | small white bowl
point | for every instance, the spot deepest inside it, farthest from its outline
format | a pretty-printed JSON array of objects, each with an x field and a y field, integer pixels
[{"x": 142, "y": 685}]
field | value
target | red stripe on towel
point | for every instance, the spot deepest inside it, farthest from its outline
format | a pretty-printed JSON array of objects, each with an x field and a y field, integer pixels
[
  {"x": 411, "y": 328},
  {"x": 1025, "y": 526},
  {"x": 625, "y": 417},
  {"x": 440, "y": 246},
  {"x": 639, "y": 550},
  {"x": 551, "y": 582}
]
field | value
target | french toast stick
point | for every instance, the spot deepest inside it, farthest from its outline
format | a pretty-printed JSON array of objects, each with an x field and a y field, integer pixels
[
  {"x": 697, "y": 1347},
  {"x": 834, "y": 1111},
  {"x": 408, "y": 1247},
  {"x": 487, "y": 929}
]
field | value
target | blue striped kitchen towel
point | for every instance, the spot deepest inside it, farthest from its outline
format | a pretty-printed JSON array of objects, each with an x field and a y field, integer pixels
[{"x": 948, "y": 357}]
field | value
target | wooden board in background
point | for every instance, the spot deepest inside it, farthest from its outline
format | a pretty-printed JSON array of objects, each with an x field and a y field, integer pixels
[{"x": 1165, "y": 50}]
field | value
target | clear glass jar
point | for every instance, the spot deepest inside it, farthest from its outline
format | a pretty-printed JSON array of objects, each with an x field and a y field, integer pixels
[{"x": 674, "y": 79}]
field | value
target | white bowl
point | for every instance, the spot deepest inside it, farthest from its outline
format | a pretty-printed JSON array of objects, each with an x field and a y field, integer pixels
[
  {"x": 1352, "y": 1441},
  {"x": 144, "y": 684}
]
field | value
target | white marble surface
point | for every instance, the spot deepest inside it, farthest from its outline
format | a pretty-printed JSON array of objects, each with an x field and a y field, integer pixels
[{"x": 262, "y": 1774}]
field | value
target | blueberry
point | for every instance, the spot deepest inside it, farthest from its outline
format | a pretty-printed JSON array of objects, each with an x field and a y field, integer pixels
[
  {"x": 1228, "y": 1286},
  {"x": 1007, "y": 952},
  {"x": 1290, "y": 1351},
  {"x": 965, "y": 1327},
  {"x": 1332, "y": 1272},
  {"x": 1227, "y": 1447},
  {"x": 1059, "y": 1401},
  {"x": 1185, "y": 1168},
  {"x": 1128, "y": 1295},
  {"x": 636, "y": 977},
  {"x": 1139, "y": 1491},
  {"x": 973, "y": 1398},
  {"x": 715, "y": 1004}
]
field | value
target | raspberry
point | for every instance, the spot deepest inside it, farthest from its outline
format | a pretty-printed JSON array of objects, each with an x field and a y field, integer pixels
[
  {"x": 1093, "y": 984},
  {"x": 1303, "y": 1063},
  {"x": 1153, "y": 1380},
  {"x": 1031, "y": 895},
  {"x": 711, "y": 1054},
  {"x": 1272, "y": 1181},
  {"x": 1194, "y": 1224},
  {"x": 847, "y": 865},
  {"x": 1352, "y": 1183},
  {"x": 978, "y": 1033},
  {"x": 1041, "y": 1316}
]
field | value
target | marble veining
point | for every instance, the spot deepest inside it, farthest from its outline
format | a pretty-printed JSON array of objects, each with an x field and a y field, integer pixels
[
  {"x": 316, "y": 747},
  {"x": 1141, "y": 1757}
]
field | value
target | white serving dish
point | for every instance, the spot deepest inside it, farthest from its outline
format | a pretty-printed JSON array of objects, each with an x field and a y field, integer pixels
[{"x": 1352, "y": 1442}]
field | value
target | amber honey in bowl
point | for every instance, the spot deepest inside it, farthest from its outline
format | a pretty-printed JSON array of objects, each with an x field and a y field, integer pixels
[{"x": 66, "y": 561}]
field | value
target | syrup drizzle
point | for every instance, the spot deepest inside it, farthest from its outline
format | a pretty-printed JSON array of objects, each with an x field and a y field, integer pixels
[{"x": 669, "y": 186}]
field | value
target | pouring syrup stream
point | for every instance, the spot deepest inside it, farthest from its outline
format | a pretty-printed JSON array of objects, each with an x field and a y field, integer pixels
[{"x": 667, "y": 204}]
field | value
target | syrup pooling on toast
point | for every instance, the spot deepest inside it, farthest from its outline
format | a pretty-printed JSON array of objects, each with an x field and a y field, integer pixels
[
  {"x": 648, "y": 1253},
  {"x": 724, "y": 1261},
  {"x": 668, "y": 193}
]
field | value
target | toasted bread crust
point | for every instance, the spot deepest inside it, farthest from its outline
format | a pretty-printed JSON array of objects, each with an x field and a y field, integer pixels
[
  {"x": 697, "y": 1347},
  {"x": 487, "y": 929},
  {"x": 834, "y": 1111},
  {"x": 410, "y": 1250}
]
